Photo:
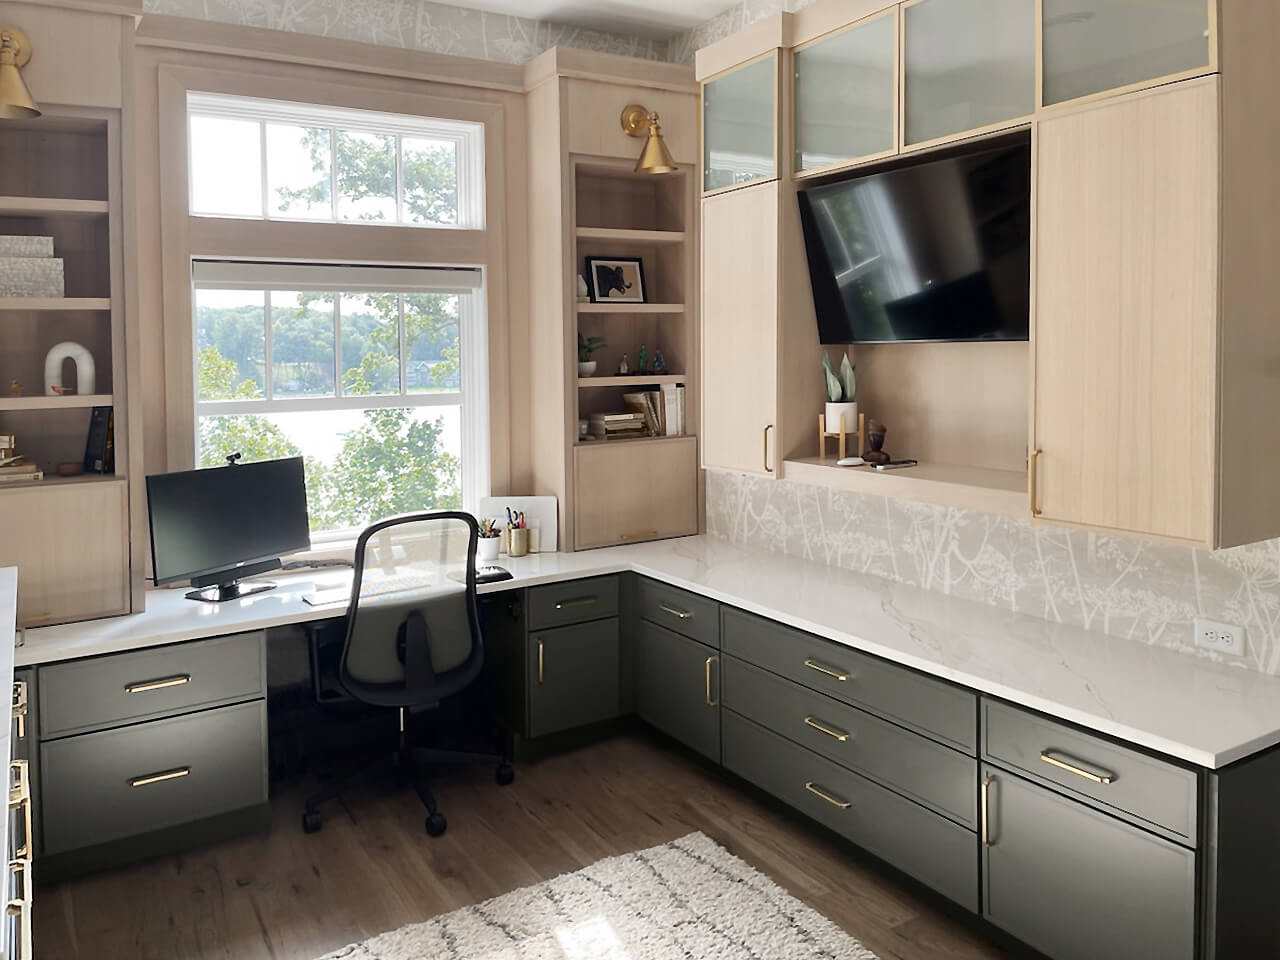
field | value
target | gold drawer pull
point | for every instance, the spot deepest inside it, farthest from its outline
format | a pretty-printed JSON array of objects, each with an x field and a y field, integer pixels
[
  {"x": 160, "y": 777},
  {"x": 835, "y": 801},
  {"x": 1079, "y": 771},
  {"x": 577, "y": 602},
  {"x": 834, "y": 732},
  {"x": 710, "y": 702},
  {"x": 828, "y": 671},
  {"x": 675, "y": 611},
  {"x": 142, "y": 686},
  {"x": 20, "y": 907},
  {"x": 20, "y": 707},
  {"x": 639, "y": 535},
  {"x": 986, "y": 810},
  {"x": 20, "y": 799},
  {"x": 539, "y": 663}
]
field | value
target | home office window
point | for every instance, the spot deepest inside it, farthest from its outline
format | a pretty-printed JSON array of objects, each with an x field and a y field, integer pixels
[
  {"x": 375, "y": 375},
  {"x": 275, "y": 160}
]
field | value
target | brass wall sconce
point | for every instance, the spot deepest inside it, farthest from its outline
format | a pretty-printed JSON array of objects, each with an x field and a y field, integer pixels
[
  {"x": 15, "y": 98},
  {"x": 638, "y": 121}
]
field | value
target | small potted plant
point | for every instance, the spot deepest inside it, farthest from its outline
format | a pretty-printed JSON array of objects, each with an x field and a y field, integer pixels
[
  {"x": 842, "y": 394},
  {"x": 487, "y": 545},
  {"x": 586, "y": 347}
]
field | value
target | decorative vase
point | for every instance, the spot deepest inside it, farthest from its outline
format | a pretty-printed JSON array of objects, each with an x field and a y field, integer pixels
[
  {"x": 848, "y": 411},
  {"x": 587, "y": 369},
  {"x": 487, "y": 550},
  {"x": 584, "y": 295}
]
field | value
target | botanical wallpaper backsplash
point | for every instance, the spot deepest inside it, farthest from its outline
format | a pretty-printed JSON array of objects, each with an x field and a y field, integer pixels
[
  {"x": 1141, "y": 590},
  {"x": 742, "y": 14}
]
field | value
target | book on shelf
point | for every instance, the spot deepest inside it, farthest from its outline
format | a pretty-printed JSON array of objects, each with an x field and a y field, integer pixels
[
  {"x": 99, "y": 447},
  {"x": 617, "y": 424},
  {"x": 673, "y": 410},
  {"x": 641, "y": 402},
  {"x": 21, "y": 473}
]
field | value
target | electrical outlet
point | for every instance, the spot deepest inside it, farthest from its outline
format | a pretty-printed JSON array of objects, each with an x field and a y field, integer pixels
[{"x": 1223, "y": 637}]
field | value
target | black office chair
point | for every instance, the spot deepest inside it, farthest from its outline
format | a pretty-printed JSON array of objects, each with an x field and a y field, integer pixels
[{"x": 412, "y": 639}]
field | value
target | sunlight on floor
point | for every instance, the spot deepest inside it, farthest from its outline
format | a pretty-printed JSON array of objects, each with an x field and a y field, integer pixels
[{"x": 592, "y": 939}]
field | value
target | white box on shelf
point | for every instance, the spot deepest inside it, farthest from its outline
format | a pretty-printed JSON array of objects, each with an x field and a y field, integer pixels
[
  {"x": 31, "y": 277},
  {"x": 26, "y": 246}
]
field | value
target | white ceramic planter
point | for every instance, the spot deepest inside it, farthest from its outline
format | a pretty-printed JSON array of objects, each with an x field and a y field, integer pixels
[
  {"x": 587, "y": 369},
  {"x": 487, "y": 550},
  {"x": 849, "y": 411}
]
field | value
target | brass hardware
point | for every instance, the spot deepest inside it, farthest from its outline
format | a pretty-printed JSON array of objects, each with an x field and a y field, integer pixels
[
  {"x": 675, "y": 612},
  {"x": 20, "y": 707},
  {"x": 767, "y": 468},
  {"x": 142, "y": 686},
  {"x": 576, "y": 602},
  {"x": 1079, "y": 771},
  {"x": 640, "y": 121},
  {"x": 830, "y": 798},
  {"x": 1032, "y": 483},
  {"x": 710, "y": 701},
  {"x": 986, "y": 810},
  {"x": 834, "y": 732},
  {"x": 20, "y": 906},
  {"x": 15, "y": 98},
  {"x": 639, "y": 535},
  {"x": 828, "y": 671},
  {"x": 539, "y": 663},
  {"x": 20, "y": 799},
  {"x": 160, "y": 777}
]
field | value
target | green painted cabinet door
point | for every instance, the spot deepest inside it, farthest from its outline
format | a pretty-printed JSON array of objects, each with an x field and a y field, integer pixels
[
  {"x": 678, "y": 688},
  {"x": 1076, "y": 883},
  {"x": 573, "y": 676}
]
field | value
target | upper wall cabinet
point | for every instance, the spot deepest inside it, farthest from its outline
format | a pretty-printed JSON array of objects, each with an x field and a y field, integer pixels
[
  {"x": 739, "y": 125},
  {"x": 1096, "y": 45},
  {"x": 968, "y": 64},
  {"x": 846, "y": 94}
]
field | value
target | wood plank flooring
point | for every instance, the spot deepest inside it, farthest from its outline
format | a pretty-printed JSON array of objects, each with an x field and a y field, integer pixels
[{"x": 289, "y": 896}]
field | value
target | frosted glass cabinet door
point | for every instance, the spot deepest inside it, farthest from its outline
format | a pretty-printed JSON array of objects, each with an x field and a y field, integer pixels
[
  {"x": 1096, "y": 45},
  {"x": 739, "y": 134},
  {"x": 844, "y": 94},
  {"x": 968, "y": 64}
]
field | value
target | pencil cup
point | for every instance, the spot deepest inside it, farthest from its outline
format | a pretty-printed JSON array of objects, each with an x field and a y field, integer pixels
[
  {"x": 535, "y": 539},
  {"x": 519, "y": 542},
  {"x": 504, "y": 541}
]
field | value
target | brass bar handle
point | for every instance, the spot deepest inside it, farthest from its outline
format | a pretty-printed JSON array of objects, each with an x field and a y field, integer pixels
[
  {"x": 20, "y": 799},
  {"x": 827, "y": 671},
  {"x": 577, "y": 602},
  {"x": 1074, "y": 767},
  {"x": 1033, "y": 483},
  {"x": 675, "y": 611},
  {"x": 539, "y": 663},
  {"x": 986, "y": 810},
  {"x": 767, "y": 468},
  {"x": 831, "y": 798},
  {"x": 160, "y": 777},
  {"x": 20, "y": 707},
  {"x": 834, "y": 733},
  {"x": 20, "y": 906},
  {"x": 142, "y": 686},
  {"x": 639, "y": 535},
  {"x": 711, "y": 701}
]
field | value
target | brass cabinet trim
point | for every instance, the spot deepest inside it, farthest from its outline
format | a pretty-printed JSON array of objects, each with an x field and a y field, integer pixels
[
  {"x": 20, "y": 707},
  {"x": 985, "y": 813},
  {"x": 638, "y": 535},
  {"x": 834, "y": 733},
  {"x": 540, "y": 662},
  {"x": 767, "y": 468},
  {"x": 161, "y": 777},
  {"x": 675, "y": 611},
  {"x": 711, "y": 702},
  {"x": 831, "y": 798},
  {"x": 822, "y": 668},
  {"x": 1033, "y": 483},
  {"x": 20, "y": 799},
  {"x": 1072, "y": 766},
  {"x": 574, "y": 602},
  {"x": 160, "y": 683}
]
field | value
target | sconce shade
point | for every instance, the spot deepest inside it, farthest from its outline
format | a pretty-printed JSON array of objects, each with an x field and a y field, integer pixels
[
  {"x": 15, "y": 98},
  {"x": 639, "y": 121}
]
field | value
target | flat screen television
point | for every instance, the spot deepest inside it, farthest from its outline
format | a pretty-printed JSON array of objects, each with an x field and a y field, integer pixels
[{"x": 938, "y": 249}]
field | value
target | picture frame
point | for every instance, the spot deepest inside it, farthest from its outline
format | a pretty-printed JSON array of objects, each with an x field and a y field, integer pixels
[{"x": 615, "y": 279}]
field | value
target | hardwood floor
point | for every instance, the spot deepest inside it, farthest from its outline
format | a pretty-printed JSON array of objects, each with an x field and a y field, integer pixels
[{"x": 289, "y": 896}]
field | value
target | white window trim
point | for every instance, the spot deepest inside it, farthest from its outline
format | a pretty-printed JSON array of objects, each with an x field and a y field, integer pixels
[
  {"x": 467, "y": 137},
  {"x": 472, "y": 398}
]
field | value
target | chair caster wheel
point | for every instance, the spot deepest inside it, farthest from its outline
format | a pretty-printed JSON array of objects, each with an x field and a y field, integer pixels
[
  {"x": 505, "y": 775},
  {"x": 436, "y": 825},
  {"x": 310, "y": 822}
]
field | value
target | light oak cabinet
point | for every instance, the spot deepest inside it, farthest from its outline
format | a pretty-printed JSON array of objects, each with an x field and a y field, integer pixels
[
  {"x": 661, "y": 496},
  {"x": 740, "y": 329},
  {"x": 740, "y": 125}
]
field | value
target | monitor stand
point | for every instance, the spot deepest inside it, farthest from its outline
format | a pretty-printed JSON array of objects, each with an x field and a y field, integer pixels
[{"x": 222, "y": 592}]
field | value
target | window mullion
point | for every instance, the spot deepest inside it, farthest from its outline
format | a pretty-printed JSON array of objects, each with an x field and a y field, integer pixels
[
  {"x": 262, "y": 170},
  {"x": 399, "y": 179},
  {"x": 337, "y": 344},
  {"x": 268, "y": 388},
  {"x": 333, "y": 174},
  {"x": 404, "y": 340}
]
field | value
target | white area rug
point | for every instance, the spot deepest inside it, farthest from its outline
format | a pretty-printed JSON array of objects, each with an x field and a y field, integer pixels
[{"x": 689, "y": 899}]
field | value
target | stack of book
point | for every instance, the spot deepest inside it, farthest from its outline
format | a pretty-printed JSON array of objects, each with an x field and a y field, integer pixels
[
  {"x": 13, "y": 465},
  {"x": 662, "y": 410},
  {"x": 616, "y": 426}
]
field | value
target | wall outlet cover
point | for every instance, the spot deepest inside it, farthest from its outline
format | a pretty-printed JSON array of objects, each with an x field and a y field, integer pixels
[{"x": 1223, "y": 637}]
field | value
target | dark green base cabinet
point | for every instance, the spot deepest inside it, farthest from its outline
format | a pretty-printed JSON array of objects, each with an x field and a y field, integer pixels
[
  {"x": 573, "y": 676},
  {"x": 677, "y": 688}
]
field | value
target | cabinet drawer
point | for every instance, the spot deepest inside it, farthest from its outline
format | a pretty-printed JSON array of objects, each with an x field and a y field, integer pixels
[
  {"x": 104, "y": 691},
  {"x": 1152, "y": 791},
  {"x": 929, "y": 706},
  {"x": 573, "y": 676},
  {"x": 917, "y": 841},
  {"x": 678, "y": 684},
  {"x": 573, "y": 602},
  {"x": 686, "y": 613},
  {"x": 117, "y": 783},
  {"x": 927, "y": 772},
  {"x": 1072, "y": 881}
]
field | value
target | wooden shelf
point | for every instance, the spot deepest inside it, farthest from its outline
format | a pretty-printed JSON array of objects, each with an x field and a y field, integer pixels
[
  {"x": 639, "y": 380},
  {"x": 51, "y": 207},
  {"x": 27, "y": 304},
  {"x": 57, "y": 403},
  {"x": 633, "y": 308},
  {"x": 972, "y": 488},
  {"x": 613, "y": 443},
  {"x": 631, "y": 236},
  {"x": 54, "y": 480}
]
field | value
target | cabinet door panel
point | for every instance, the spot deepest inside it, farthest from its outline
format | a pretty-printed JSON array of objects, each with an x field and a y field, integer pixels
[
  {"x": 678, "y": 688},
  {"x": 1073, "y": 882},
  {"x": 628, "y": 492},
  {"x": 1094, "y": 46},
  {"x": 573, "y": 676},
  {"x": 740, "y": 328},
  {"x": 739, "y": 125},
  {"x": 1126, "y": 313}
]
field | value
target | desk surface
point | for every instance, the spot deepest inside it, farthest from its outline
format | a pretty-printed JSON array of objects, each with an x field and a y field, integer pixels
[{"x": 1205, "y": 713}]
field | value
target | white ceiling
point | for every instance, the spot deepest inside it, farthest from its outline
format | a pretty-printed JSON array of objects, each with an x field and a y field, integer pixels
[{"x": 658, "y": 19}]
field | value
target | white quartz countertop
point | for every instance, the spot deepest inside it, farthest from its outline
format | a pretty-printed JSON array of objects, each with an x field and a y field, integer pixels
[{"x": 1204, "y": 713}]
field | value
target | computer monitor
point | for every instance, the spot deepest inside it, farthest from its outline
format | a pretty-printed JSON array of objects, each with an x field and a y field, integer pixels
[{"x": 217, "y": 526}]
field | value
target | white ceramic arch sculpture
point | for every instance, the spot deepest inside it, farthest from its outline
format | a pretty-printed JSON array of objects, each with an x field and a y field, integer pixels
[{"x": 86, "y": 377}]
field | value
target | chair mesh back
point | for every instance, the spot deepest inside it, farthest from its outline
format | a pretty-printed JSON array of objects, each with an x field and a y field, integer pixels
[{"x": 412, "y": 633}]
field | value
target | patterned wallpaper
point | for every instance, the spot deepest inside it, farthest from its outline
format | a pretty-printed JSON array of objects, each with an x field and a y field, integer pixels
[
  {"x": 1144, "y": 591},
  {"x": 413, "y": 24},
  {"x": 742, "y": 14}
]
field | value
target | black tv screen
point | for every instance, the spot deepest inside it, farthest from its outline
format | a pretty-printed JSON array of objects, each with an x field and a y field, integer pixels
[{"x": 937, "y": 250}]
